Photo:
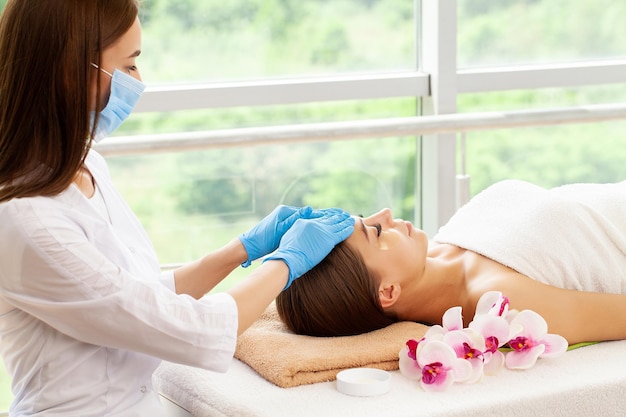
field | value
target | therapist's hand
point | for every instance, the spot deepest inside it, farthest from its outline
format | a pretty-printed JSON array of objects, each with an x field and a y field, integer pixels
[
  {"x": 264, "y": 238},
  {"x": 308, "y": 241}
]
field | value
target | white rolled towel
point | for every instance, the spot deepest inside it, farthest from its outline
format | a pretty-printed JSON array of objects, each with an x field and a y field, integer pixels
[{"x": 573, "y": 236}]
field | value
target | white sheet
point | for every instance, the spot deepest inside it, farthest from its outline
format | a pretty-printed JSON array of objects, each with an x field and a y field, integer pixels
[{"x": 589, "y": 381}]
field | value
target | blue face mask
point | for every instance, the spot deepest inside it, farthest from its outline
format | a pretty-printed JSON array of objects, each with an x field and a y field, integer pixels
[{"x": 125, "y": 92}]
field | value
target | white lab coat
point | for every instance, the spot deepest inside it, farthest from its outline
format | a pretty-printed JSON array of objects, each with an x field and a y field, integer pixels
[{"x": 86, "y": 315}]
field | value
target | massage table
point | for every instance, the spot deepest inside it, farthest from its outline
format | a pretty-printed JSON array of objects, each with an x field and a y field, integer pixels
[
  {"x": 588, "y": 381},
  {"x": 585, "y": 382}
]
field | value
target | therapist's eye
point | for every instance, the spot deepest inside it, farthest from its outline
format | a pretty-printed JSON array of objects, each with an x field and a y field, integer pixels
[{"x": 132, "y": 68}]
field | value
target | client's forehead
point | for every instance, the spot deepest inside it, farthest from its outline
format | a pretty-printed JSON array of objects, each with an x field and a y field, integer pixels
[{"x": 359, "y": 235}]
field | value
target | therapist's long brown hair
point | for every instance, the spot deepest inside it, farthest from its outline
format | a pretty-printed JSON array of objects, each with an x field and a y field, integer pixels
[
  {"x": 339, "y": 297},
  {"x": 46, "y": 47}
]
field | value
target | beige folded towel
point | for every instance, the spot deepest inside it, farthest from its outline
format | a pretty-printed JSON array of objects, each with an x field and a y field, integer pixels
[{"x": 289, "y": 360}]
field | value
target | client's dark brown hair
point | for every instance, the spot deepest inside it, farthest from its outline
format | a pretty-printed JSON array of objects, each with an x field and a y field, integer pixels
[{"x": 339, "y": 297}]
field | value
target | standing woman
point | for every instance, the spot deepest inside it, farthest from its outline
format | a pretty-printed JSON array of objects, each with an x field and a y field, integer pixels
[{"x": 86, "y": 315}]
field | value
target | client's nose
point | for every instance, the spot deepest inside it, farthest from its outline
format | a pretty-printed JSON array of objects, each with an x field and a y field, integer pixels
[{"x": 386, "y": 217}]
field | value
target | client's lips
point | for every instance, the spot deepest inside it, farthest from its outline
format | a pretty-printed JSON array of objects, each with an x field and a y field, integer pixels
[{"x": 409, "y": 226}]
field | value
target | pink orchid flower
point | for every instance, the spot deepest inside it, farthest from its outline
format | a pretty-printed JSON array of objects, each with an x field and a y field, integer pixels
[
  {"x": 469, "y": 345},
  {"x": 440, "y": 366},
  {"x": 533, "y": 342},
  {"x": 452, "y": 320},
  {"x": 493, "y": 303},
  {"x": 496, "y": 332},
  {"x": 408, "y": 360}
]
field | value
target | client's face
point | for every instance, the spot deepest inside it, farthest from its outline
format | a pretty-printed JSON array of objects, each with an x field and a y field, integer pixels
[{"x": 392, "y": 248}]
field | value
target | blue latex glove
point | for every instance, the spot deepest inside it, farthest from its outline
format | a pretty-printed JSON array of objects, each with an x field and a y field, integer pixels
[
  {"x": 265, "y": 237},
  {"x": 308, "y": 241}
]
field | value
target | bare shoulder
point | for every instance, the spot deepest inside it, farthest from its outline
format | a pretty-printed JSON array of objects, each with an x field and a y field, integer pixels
[
  {"x": 576, "y": 315},
  {"x": 484, "y": 274}
]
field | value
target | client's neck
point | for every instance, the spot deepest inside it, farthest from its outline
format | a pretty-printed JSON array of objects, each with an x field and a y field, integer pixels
[{"x": 442, "y": 286}]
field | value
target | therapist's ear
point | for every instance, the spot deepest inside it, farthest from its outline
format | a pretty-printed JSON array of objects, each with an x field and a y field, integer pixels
[{"x": 389, "y": 293}]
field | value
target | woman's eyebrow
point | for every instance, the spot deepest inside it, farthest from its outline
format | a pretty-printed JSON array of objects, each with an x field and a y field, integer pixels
[
  {"x": 135, "y": 54},
  {"x": 364, "y": 230}
]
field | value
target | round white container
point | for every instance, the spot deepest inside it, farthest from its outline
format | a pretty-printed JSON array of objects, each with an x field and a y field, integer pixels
[{"x": 363, "y": 382}]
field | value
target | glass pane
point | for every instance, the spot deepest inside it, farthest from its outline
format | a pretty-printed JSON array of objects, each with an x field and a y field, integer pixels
[
  {"x": 211, "y": 40},
  {"x": 547, "y": 156},
  {"x": 194, "y": 202},
  {"x": 504, "y": 32}
]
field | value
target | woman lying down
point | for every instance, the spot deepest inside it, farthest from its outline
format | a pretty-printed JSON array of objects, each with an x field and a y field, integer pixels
[{"x": 560, "y": 252}]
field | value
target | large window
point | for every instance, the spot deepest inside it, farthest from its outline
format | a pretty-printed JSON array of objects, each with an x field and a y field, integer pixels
[
  {"x": 212, "y": 40},
  {"x": 192, "y": 202},
  {"x": 508, "y": 32}
]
